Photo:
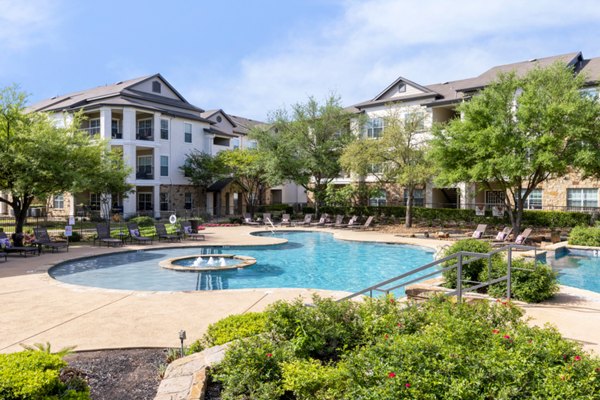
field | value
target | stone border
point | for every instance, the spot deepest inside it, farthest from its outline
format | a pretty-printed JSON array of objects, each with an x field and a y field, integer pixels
[{"x": 245, "y": 261}]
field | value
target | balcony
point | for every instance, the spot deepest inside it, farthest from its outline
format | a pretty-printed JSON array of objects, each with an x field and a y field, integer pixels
[
  {"x": 144, "y": 172},
  {"x": 144, "y": 134}
]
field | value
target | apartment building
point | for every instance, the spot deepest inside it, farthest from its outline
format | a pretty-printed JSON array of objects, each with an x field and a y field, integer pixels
[
  {"x": 437, "y": 103},
  {"x": 155, "y": 127}
]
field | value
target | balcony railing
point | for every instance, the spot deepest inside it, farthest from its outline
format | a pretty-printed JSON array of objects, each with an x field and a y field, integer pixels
[
  {"x": 116, "y": 134},
  {"x": 144, "y": 173},
  {"x": 144, "y": 134},
  {"x": 90, "y": 131}
]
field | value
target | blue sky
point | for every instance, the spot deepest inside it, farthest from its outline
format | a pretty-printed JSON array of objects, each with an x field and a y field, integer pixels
[{"x": 253, "y": 57}]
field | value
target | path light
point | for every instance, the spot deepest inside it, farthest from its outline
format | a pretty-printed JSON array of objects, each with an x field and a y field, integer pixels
[{"x": 182, "y": 337}]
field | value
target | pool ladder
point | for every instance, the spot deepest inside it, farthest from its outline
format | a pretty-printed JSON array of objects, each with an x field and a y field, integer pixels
[{"x": 272, "y": 229}]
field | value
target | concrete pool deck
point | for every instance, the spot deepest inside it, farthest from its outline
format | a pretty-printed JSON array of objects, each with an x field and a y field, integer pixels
[{"x": 34, "y": 308}]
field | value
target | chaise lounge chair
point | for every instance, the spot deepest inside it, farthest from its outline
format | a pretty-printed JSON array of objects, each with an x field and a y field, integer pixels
[
  {"x": 7, "y": 247},
  {"x": 161, "y": 232},
  {"x": 134, "y": 234},
  {"x": 339, "y": 221},
  {"x": 103, "y": 236},
  {"x": 42, "y": 239},
  {"x": 248, "y": 220},
  {"x": 502, "y": 236},
  {"x": 351, "y": 223},
  {"x": 365, "y": 226},
  {"x": 479, "y": 232},
  {"x": 188, "y": 232},
  {"x": 286, "y": 220},
  {"x": 523, "y": 237},
  {"x": 322, "y": 221},
  {"x": 307, "y": 220}
]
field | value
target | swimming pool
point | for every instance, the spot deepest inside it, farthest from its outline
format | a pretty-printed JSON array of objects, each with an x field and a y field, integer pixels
[
  {"x": 577, "y": 268},
  {"x": 308, "y": 260}
]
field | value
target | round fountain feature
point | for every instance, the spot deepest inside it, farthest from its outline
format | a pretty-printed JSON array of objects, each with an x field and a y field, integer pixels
[{"x": 207, "y": 262}]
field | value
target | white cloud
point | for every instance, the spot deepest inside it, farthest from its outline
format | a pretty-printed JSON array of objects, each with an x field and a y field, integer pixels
[
  {"x": 373, "y": 42},
  {"x": 24, "y": 23}
]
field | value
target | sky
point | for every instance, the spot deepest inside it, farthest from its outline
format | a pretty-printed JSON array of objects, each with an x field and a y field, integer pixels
[{"x": 252, "y": 57}]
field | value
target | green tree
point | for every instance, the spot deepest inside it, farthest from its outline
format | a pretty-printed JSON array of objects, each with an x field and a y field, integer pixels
[
  {"x": 304, "y": 146},
  {"x": 398, "y": 156},
  {"x": 202, "y": 169},
  {"x": 248, "y": 168},
  {"x": 520, "y": 131},
  {"x": 40, "y": 157}
]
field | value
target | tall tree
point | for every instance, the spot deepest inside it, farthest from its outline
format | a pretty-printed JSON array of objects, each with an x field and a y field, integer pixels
[
  {"x": 40, "y": 158},
  {"x": 248, "y": 168},
  {"x": 304, "y": 146},
  {"x": 520, "y": 131},
  {"x": 398, "y": 156},
  {"x": 203, "y": 169}
]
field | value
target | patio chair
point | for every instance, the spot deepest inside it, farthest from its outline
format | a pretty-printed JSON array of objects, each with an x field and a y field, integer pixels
[
  {"x": 286, "y": 220},
  {"x": 134, "y": 234},
  {"x": 161, "y": 232},
  {"x": 307, "y": 220},
  {"x": 42, "y": 239},
  {"x": 7, "y": 247},
  {"x": 339, "y": 221},
  {"x": 248, "y": 220},
  {"x": 479, "y": 232},
  {"x": 352, "y": 222},
  {"x": 188, "y": 232},
  {"x": 523, "y": 237},
  {"x": 267, "y": 219},
  {"x": 103, "y": 236},
  {"x": 322, "y": 221},
  {"x": 502, "y": 236},
  {"x": 365, "y": 226}
]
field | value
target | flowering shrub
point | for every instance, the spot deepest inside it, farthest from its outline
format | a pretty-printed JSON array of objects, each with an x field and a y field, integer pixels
[
  {"x": 386, "y": 350},
  {"x": 470, "y": 271}
]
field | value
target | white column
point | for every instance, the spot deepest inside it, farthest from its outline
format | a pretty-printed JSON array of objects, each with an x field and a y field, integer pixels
[
  {"x": 129, "y": 205},
  {"x": 105, "y": 123},
  {"x": 156, "y": 127},
  {"x": 156, "y": 201},
  {"x": 128, "y": 123},
  {"x": 3, "y": 206},
  {"x": 429, "y": 195}
]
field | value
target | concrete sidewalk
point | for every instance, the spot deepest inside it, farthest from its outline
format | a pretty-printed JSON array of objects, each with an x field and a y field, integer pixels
[{"x": 35, "y": 308}]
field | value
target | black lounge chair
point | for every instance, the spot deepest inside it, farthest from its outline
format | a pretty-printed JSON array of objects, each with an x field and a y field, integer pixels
[
  {"x": 161, "y": 232},
  {"x": 134, "y": 234},
  {"x": 103, "y": 236},
  {"x": 42, "y": 239},
  {"x": 187, "y": 231},
  {"x": 8, "y": 248}
]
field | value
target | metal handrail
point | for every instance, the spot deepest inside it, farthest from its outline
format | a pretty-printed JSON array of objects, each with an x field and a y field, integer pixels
[{"x": 463, "y": 258}]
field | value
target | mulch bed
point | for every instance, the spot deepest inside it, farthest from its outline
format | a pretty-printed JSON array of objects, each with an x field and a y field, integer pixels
[{"x": 120, "y": 374}]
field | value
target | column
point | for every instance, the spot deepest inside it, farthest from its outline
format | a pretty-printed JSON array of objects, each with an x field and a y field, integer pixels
[
  {"x": 3, "y": 206},
  {"x": 128, "y": 124},
  {"x": 106, "y": 123},
  {"x": 156, "y": 200},
  {"x": 156, "y": 127}
]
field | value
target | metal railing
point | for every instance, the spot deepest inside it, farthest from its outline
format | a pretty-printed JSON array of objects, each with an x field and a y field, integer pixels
[{"x": 432, "y": 269}]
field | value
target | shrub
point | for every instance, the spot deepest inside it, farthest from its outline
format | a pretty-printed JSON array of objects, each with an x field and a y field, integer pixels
[
  {"x": 36, "y": 375},
  {"x": 236, "y": 327},
  {"x": 530, "y": 282},
  {"x": 74, "y": 238},
  {"x": 471, "y": 271},
  {"x": 143, "y": 221},
  {"x": 585, "y": 236}
]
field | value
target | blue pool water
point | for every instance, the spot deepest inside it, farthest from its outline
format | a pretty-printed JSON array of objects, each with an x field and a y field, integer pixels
[
  {"x": 309, "y": 260},
  {"x": 578, "y": 268}
]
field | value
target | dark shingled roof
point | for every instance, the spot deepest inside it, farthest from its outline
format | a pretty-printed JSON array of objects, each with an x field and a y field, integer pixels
[{"x": 219, "y": 185}]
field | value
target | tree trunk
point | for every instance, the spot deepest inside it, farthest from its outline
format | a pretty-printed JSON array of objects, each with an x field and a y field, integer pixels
[
  {"x": 20, "y": 209},
  {"x": 409, "y": 203}
]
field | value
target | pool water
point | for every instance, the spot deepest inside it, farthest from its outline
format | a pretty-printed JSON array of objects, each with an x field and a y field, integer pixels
[
  {"x": 308, "y": 260},
  {"x": 577, "y": 268}
]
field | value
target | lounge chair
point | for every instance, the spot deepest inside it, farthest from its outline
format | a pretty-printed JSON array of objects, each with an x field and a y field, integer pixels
[
  {"x": 322, "y": 221},
  {"x": 188, "y": 232},
  {"x": 42, "y": 239},
  {"x": 286, "y": 220},
  {"x": 103, "y": 236},
  {"x": 161, "y": 232},
  {"x": 134, "y": 234},
  {"x": 7, "y": 247},
  {"x": 502, "y": 236},
  {"x": 479, "y": 232},
  {"x": 365, "y": 226},
  {"x": 307, "y": 220},
  {"x": 523, "y": 237},
  {"x": 339, "y": 221},
  {"x": 267, "y": 219},
  {"x": 248, "y": 220},
  {"x": 351, "y": 223}
]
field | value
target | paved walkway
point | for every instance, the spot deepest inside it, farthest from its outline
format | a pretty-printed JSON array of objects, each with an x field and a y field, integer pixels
[{"x": 35, "y": 308}]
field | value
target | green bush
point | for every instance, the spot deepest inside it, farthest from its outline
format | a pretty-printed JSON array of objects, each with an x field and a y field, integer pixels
[
  {"x": 530, "y": 282},
  {"x": 585, "y": 236},
  {"x": 437, "y": 350},
  {"x": 236, "y": 327},
  {"x": 471, "y": 271},
  {"x": 36, "y": 375},
  {"x": 74, "y": 238},
  {"x": 143, "y": 221}
]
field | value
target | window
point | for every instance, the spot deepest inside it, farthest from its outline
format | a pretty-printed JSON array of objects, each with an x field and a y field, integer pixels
[
  {"x": 59, "y": 201},
  {"x": 94, "y": 126},
  {"x": 373, "y": 129},
  {"x": 115, "y": 129},
  {"x": 401, "y": 87},
  {"x": 493, "y": 197},
  {"x": 378, "y": 199},
  {"x": 534, "y": 200},
  {"x": 187, "y": 130},
  {"x": 219, "y": 119},
  {"x": 251, "y": 144},
  {"x": 578, "y": 198},
  {"x": 187, "y": 200},
  {"x": 164, "y": 129},
  {"x": 591, "y": 92},
  {"x": 144, "y": 167},
  {"x": 164, "y": 166},
  {"x": 95, "y": 201},
  {"x": 156, "y": 87},
  {"x": 144, "y": 201},
  {"x": 164, "y": 201},
  {"x": 418, "y": 197},
  {"x": 235, "y": 143},
  {"x": 144, "y": 129}
]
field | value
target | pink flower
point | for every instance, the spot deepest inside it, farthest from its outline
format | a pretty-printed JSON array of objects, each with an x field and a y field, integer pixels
[
  {"x": 392, "y": 301},
  {"x": 386, "y": 337},
  {"x": 577, "y": 358},
  {"x": 391, "y": 375},
  {"x": 269, "y": 355},
  {"x": 407, "y": 385},
  {"x": 496, "y": 331},
  {"x": 506, "y": 337}
]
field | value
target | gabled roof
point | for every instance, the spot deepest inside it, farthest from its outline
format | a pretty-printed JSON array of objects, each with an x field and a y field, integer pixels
[
  {"x": 397, "y": 81},
  {"x": 244, "y": 125},
  {"x": 106, "y": 93},
  {"x": 209, "y": 113},
  {"x": 219, "y": 185}
]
